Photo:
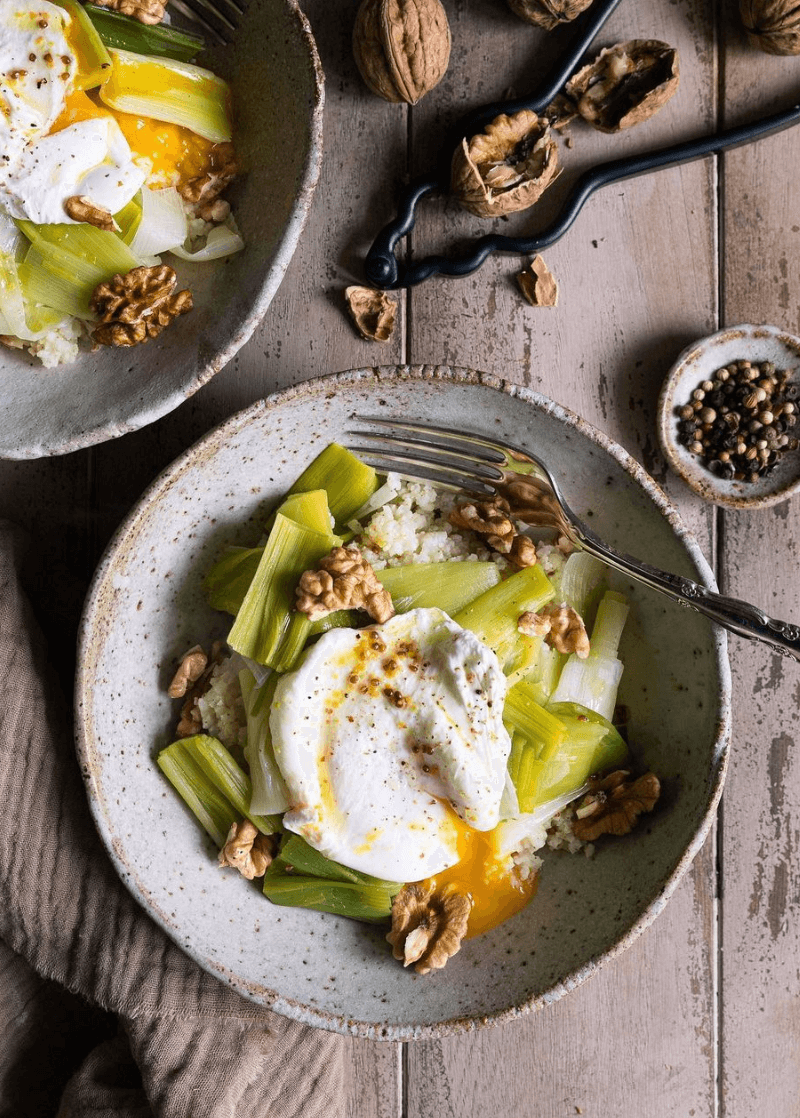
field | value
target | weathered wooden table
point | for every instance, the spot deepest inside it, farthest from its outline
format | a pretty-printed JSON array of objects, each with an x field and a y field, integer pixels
[{"x": 701, "y": 1016}]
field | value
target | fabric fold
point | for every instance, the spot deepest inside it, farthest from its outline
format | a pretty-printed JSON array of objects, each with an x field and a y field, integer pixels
[{"x": 200, "y": 1048}]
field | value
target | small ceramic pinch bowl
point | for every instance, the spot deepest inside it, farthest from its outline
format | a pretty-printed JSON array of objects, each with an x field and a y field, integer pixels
[
  {"x": 700, "y": 362},
  {"x": 275, "y": 74},
  {"x": 146, "y": 606}
]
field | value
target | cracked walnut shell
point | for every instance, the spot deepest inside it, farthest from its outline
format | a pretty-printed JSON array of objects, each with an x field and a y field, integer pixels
[
  {"x": 138, "y": 305},
  {"x": 772, "y": 25},
  {"x": 548, "y": 13},
  {"x": 614, "y": 803},
  {"x": 247, "y": 850},
  {"x": 373, "y": 312},
  {"x": 507, "y": 167},
  {"x": 401, "y": 47},
  {"x": 626, "y": 84},
  {"x": 428, "y": 926},
  {"x": 146, "y": 11},
  {"x": 343, "y": 580},
  {"x": 538, "y": 284}
]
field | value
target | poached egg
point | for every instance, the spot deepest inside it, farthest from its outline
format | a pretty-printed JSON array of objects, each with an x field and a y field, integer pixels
[
  {"x": 39, "y": 167},
  {"x": 392, "y": 744}
]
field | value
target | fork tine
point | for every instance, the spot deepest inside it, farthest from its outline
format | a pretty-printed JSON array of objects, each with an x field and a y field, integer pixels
[
  {"x": 426, "y": 453},
  {"x": 476, "y": 456},
  {"x": 493, "y": 451},
  {"x": 410, "y": 467},
  {"x": 196, "y": 17}
]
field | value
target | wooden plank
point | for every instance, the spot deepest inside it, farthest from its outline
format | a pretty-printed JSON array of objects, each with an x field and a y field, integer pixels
[
  {"x": 638, "y": 282},
  {"x": 761, "y": 807}
]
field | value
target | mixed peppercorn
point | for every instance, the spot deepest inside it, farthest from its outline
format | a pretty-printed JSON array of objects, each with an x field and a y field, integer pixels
[{"x": 739, "y": 422}]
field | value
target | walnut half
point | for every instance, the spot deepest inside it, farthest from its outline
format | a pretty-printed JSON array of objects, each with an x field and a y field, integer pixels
[
  {"x": 493, "y": 520},
  {"x": 247, "y": 850},
  {"x": 203, "y": 191},
  {"x": 343, "y": 580},
  {"x": 561, "y": 626},
  {"x": 428, "y": 926},
  {"x": 81, "y": 208},
  {"x": 146, "y": 11},
  {"x": 614, "y": 803},
  {"x": 138, "y": 305}
]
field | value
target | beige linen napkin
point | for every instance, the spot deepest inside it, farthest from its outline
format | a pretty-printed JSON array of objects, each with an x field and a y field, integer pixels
[{"x": 201, "y": 1050}]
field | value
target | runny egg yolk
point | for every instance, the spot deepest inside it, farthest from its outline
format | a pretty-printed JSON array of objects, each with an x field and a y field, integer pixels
[
  {"x": 496, "y": 893},
  {"x": 174, "y": 154}
]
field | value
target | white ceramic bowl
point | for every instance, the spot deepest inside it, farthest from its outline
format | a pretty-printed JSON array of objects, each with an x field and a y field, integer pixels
[
  {"x": 277, "y": 83},
  {"x": 699, "y": 362},
  {"x": 146, "y": 606}
]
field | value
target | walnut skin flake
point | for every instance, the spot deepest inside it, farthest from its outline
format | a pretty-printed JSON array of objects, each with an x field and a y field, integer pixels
[
  {"x": 626, "y": 84},
  {"x": 373, "y": 312},
  {"x": 247, "y": 850},
  {"x": 343, "y": 580},
  {"x": 507, "y": 167},
  {"x": 538, "y": 284},
  {"x": 614, "y": 803},
  {"x": 428, "y": 926}
]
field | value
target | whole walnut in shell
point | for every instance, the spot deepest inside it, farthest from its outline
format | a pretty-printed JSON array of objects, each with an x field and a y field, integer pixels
[
  {"x": 626, "y": 84},
  {"x": 401, "y": 47},
  {"x": 548, "y": 13},
  {"x": 507, "y": 167},
  {"x": 772, "y": 25}
]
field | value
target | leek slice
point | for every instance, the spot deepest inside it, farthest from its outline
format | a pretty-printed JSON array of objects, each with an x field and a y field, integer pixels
[
  {"x": 162, "y": 224},
  {"x": 227, "y": 582},
  {"x": 592, "y": 745},
  {"x": 41, "y": 286},
  {"x": 450, "y": 586},
  {"x": 347, "y": 480},
  {"x": 267, "y": 613},
  {"x": 175, "y": 92},
  {"x": 302, "y": 877},
  {"x": 94, "y": 62},
  {"x": 221, "y": 241},
  {"x": 594, "y": 682},
  {"x": 579, "y": 583},
  {"x": 161, "y": 41},
  {"x": 129, "y": 218},
  {"x": 494, "y": 615},
  {"x": 270, "y": 793},
  {"x": 211, "y": 783}
]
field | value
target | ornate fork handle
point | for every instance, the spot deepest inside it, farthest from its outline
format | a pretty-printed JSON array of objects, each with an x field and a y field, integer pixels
[{"x": 739, "y": 617}]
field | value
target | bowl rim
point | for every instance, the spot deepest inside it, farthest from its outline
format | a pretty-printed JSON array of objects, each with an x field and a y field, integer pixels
[
  {"x": 91, "y": 623},
  {"x": 702, "y": 481},
  {"x": 147, "y": 413}
]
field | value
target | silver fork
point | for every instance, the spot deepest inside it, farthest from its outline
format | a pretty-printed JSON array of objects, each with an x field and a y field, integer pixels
[
  {"x": 210, "y": 15},
  {"x": 483, "y": 468}
]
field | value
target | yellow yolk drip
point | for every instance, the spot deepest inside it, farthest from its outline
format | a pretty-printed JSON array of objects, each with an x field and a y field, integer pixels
[
  {"x": 496, "y": 893},
  {"x": 174, "y": 154}
]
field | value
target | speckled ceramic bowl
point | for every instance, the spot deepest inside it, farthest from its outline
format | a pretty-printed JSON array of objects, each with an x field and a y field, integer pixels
[
  {"x": 277, "y": 83},
  {"x": 699, "y": 362},
  {"x": 146, "y": 606}
]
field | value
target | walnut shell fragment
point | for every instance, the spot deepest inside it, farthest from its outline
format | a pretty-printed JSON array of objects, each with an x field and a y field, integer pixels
[
  {"x": 401, "y": 47},
  {"x": 428, "y": 926},
  {"x": 626, "y": 84},
  {"x": 548, "y": 13},
  {"x": 507, "y": 167},
  {"x": 538, "y": 284},
  {"x": 373, "y": 312},
  {"x": 614, "y": 803},
  {"x": 772, "y": 25}
]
